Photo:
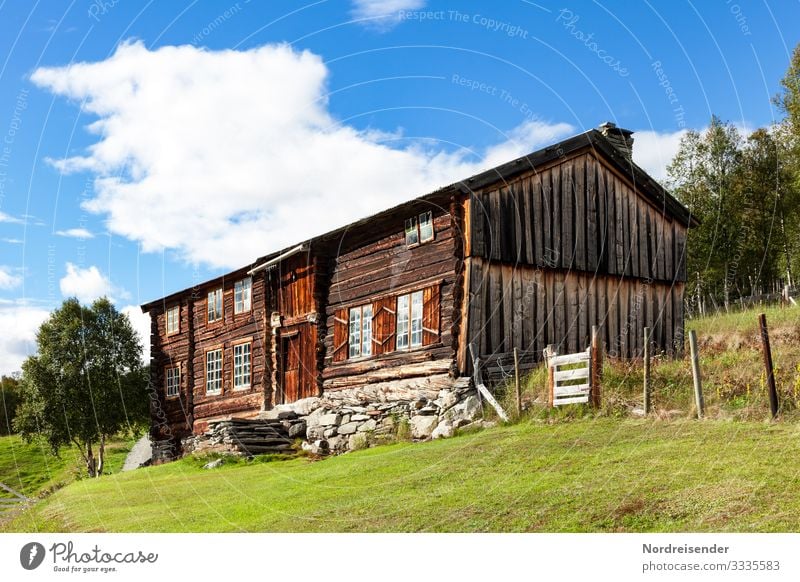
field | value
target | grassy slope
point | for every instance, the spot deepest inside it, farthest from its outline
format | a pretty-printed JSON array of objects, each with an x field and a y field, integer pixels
[
  {"x": 587, "y": 475},
  {"x": 32, "y": 470}
]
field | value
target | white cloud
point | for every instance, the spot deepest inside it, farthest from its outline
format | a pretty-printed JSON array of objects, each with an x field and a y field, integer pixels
[
  {"x": 141, "y": 324},
  {"x": 653, "y": 151},
  {"x": 13, "y": 241},
  {"x": 383, "y": 14},
  {"x": 524, "y": 139},
  {"x": 8, "y": 280},
  {"x": 227, "y": 155},
  {"x": 10, "y": 219},
  {"x": 19, "y": 323},
  {"x": 80, "y": 233},
  {"x": 88, "y": 284}
]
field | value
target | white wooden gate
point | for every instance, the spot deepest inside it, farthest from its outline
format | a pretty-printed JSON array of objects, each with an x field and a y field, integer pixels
[{"x": 570, "y": 377}]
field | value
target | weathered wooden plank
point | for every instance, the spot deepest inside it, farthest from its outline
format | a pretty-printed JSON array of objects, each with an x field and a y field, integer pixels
[
  {"x": 593, "y": 243},
  {"x": 577, "y": 373},
  {"x": 547, "y": 218},
  {"x": 580, "y": 206},
  {"x": 526, "y": 221},
  {"x": 557, "y": 260},
  {"x": 539, "y": 223},
  {"x": 507, "y": 297},
  {"x": 567, "y": 195}
]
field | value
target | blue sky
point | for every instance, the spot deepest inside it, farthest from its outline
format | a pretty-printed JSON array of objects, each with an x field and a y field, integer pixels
[{"x": 148, "y": 146}]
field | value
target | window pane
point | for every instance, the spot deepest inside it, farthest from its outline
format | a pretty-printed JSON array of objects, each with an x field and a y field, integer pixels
[
  {"x": 426, "y": 227},
  {"x": 412, "y": 234},
  {"x": 354, "y": 339},
  {"x": 416, "y": 319},
  {"x": 173, "y": 381},
  {"x": 215, "y": 305},
  {"x": 241, "y": 366},
  {"x": 402, "y": 321},
  {"x": 214, "y": 372},
  {"x": 241, "y": 293},
  {"x": 366, "y": 331}
]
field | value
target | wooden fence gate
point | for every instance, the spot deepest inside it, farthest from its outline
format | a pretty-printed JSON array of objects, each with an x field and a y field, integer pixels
[{"x": 569, "y": 377}]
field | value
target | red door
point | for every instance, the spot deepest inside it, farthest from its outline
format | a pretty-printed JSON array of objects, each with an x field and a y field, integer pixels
[{"x": 291, "y": 359}]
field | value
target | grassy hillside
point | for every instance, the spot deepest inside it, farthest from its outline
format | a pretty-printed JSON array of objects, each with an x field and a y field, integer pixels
[
  {"x": 586, "y": 475},
  {"x": 31, "y": 469},
  {"x": 572, "y": 469}
]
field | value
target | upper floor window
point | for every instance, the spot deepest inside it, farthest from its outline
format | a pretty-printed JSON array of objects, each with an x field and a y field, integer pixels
[
  {"x": 425, "y": 227},
  {"x": 241, "y": 365},
  {"x": 409, "y": 320},
  {"x": 214, "y": 372},
  {"x": 173, "y": 319},
  {"x": 242, "y": 294},
  {"x": 173, "y": 380},
  {"x": 360, "y": 331},
  {"x": 419, "y": 229},
  {"x": 215, "y": 305}
]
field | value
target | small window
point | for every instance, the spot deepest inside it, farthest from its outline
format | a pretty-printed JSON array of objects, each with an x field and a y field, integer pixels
[
  {"x": 412, "y": 232},
  {"x": 173, "y": 381},
  {"x": 241, "y": 366},
  {"x": 215, "y": 305},
  {"x": 214, "y": 372},
  {"x": 409, "y": 320},
  {"x": 426, "y": 227},
  {"x": 360, "y": 331},
  {"x": 241, "y": 295},
  {"x": 173, "y": 319}
]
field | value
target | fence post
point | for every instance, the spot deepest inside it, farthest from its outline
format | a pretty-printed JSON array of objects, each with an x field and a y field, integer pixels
[
  {"x": 773, "y": 391},
  {"x": 516, "y": 381},
  {"x": 698, "y": 387},
  {"x": 647, "y": 370},
  {"x": 549, "y": 352},
  {"x": 597, "y": 366}
]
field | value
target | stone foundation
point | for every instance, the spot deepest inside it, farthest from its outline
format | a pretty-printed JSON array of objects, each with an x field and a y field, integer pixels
[{"x": 355, "y": 418}]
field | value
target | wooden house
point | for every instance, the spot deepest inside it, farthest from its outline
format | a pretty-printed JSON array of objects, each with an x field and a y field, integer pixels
[{"x": 530, "y": 253}]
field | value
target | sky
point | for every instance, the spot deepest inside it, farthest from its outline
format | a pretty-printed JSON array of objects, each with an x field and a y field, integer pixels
[{"x": 149, "y": 146}]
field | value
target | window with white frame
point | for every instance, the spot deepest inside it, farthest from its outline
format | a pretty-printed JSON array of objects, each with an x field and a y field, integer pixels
[
  {"x": 360, "y": 331},
  {"x": 215, "y": 305},
  {"x": 426, "y": 226},
  {"x": 412, "y": 231},
  {"x": 214, "y": 372},
  {"x": 409, "y": 320},
  {"x": 174, "y": 319},
  {"x": 241, "y": 295},
  {"x": 241, "y": 365},
  {"x": 173, "y": 380}
]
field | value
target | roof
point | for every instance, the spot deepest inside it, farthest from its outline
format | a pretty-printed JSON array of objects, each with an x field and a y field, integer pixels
[{"x": 593, "y": 139}]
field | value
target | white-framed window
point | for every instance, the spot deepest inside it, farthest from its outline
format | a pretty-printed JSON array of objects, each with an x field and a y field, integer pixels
[
  {"x": 174, "y": 319},
  {"x": 173, "y": 380},
  {"x": 242, "y": 292},
  {"x": 241, "y": 365},
  {"x": 409, "y": 320},
  {"x": 419, "y": 229},
  {"x": 412, "y": 231},
  {"x": 214, "y": 371},
  {"x": 215, "y": 305},
  {"x": 426, "y": 227},
  {"x": 360, "y": 331}
]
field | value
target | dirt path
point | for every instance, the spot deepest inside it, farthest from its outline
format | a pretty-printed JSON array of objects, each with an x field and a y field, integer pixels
[{"x": 140, "y": 453}]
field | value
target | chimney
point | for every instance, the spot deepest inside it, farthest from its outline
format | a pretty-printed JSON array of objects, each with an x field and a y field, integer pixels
[{"x": 619, "y": 138}]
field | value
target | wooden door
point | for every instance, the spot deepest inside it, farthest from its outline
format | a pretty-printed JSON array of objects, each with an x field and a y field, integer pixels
[{"x": 291, "y": 360}]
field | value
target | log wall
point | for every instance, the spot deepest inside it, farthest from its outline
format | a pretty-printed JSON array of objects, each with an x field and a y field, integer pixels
[{"x": 383, "y": 268}]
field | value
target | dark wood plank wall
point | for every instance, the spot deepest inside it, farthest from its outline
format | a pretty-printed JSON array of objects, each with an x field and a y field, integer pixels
[
  {"x": 172, "y": 416},
  {"x": 384, "y": 268},
  {"x": 224, "y": 335},
  {"x": 578, "y": 214},
  {"x": 528, "y": 308},
  {"x": 570, "y": 246}
]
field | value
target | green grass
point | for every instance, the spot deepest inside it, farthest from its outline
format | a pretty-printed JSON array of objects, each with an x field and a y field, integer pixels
[
  {"x": 568, "y": 469},
  {"x": 596, "y": 474},
  {"x": 31, "y": 469}
]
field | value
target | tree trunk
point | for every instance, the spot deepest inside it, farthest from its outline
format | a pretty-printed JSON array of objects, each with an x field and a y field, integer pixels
[
  {"x": 91, "y": 463},
  {"x": 101, "y": 455}
]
